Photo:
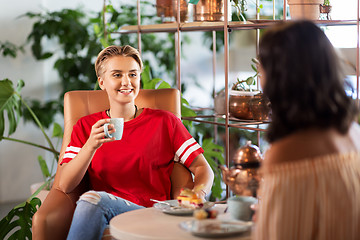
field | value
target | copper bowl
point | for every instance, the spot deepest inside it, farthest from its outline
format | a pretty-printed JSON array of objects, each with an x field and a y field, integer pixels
[{"x": 249, "y": 107}]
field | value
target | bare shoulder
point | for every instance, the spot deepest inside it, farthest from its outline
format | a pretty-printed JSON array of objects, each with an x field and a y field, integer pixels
[{"x": 313, "y": 143}]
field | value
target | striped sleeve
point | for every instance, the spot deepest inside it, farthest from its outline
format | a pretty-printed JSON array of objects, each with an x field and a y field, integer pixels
[
  {"x": 186, "y": 150},
  {"x": 185, "y": 146},
  {"x": 79, "y": 137},
  {"x": 70, "y": 153}
]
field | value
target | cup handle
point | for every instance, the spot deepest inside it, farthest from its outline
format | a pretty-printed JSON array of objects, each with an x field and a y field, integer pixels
[{"x": 106, "y": 130}]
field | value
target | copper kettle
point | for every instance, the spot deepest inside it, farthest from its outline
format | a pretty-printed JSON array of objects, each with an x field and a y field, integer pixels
[{"x": 243, "y": 178}]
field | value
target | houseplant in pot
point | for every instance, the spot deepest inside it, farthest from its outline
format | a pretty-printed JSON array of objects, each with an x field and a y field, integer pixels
[
  {"x": 246, "y": 103},
  {"x": 325, "y": 10},
  {"x": 214, "y": 10},
  {"x": 304, "y": 9},
  {"x": 18, "y": 221}
]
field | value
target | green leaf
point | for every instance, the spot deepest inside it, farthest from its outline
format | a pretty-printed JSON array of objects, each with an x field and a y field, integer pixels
[
  {"x": 255, "y": 60},
  {"x": 2, "y": 126},
  {"x": 213, "y": 153},
  {"x": 57, "y": 131},
  {"x": 186, "y": 111},
  {"x": 97, "y": 30},
  {"x": 20, "y": 85},
  {"x": 164, "y": 84},
  {"x": 11, "y": 103},
  {"x": 9, "y": 49},
  {"x": 45, "y": 112},
  {"x": 43, "y": 166},
  {"x": 254, "y": 67},
  {"x": 46, "y": 55},
  {"x": 6, "y": 92},
  {"x": 250, "y": 81},
  {"x": 217, "y": 190},
  {"x": 104, "y": 42},
  {"x": 146, "y": 78},
  {"x": 19, "y": 221}
]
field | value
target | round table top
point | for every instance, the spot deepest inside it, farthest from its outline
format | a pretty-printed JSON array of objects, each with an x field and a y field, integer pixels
[{"x": 151, "y": 223}]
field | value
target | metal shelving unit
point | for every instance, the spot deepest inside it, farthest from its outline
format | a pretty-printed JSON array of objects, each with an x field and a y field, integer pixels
[{"x": 227, "y": 26}]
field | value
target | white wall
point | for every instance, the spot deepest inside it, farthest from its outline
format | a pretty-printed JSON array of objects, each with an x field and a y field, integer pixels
[{"x": 18, "y": 162}]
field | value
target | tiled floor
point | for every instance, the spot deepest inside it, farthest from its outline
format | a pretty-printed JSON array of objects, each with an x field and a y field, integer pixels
[{"x": 6, "y": 207}]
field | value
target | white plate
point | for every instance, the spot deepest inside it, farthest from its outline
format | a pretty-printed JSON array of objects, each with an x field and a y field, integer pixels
[
  {"x": 212, "y": 228},
  {"x": 175, "y": 209}
]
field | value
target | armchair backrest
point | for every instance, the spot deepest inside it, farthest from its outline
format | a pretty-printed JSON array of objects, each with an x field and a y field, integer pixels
[{"x": 81, "y": 103}]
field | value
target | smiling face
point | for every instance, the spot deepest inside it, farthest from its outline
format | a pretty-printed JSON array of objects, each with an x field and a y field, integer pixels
[{"x": 120, "y": 79}]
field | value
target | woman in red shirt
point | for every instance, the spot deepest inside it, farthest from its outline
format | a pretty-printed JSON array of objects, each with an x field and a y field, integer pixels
[{"x": 125, "y": 174}]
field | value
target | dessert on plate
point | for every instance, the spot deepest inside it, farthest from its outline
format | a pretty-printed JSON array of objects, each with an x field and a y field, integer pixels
[{"x": 190, "y": 198}]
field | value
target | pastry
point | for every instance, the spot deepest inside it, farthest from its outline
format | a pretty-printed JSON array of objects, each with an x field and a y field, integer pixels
[{"x": 190, "y": 199}]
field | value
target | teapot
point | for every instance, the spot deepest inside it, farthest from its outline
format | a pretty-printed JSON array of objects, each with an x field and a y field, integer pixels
[{"x": 243, "y": 178}]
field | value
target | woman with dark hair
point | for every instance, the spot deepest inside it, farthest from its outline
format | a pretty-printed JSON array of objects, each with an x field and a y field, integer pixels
[{"x": 311, "y": 171}]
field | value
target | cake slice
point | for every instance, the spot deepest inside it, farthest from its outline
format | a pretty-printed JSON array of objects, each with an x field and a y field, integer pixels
[{"x": 190, "y": 199}]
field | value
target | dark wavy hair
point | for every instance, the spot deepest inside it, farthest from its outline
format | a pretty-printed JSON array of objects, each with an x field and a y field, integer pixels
[{"x": 304, "y": 80}]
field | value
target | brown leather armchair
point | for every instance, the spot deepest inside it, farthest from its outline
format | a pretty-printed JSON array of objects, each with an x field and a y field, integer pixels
[{"x": 53, "y": 218}]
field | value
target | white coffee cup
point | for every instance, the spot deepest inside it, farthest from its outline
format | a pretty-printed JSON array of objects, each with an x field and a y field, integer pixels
[
  {"x": 239, "y": 207},
  {"x": 119, "y": 128}
]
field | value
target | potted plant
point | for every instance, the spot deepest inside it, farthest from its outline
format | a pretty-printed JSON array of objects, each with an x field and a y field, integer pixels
[
  {"x": 304, "y": 9},
  {"x": 247, "y": 103},
  {"x": 20, "y": 216},
  {"x": 325, "y": 10},
  {"x": 241, "y": 8},
  {"x": 214, "y": 10}
]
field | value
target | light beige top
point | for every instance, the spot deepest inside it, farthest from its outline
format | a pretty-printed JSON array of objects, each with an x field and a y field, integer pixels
[{"x": 316, "y": 198}]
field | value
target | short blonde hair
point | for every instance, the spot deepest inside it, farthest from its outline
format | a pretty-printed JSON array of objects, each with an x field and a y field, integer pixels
[{"x": 111, "y": 51}]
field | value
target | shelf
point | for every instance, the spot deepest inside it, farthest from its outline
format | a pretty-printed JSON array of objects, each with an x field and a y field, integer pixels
[
  {"x": 173, "y": 27},
  {"x": 218, "y": 26},
  {"x": 164, "y": 27},
  {"x": 235, "y": 122}
]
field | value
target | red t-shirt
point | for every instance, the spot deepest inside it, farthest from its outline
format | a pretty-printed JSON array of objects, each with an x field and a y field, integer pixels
[{"x": 137, "y": 167}]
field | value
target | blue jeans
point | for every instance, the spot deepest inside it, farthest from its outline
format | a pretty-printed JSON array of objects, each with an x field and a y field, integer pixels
[{"x": 93, "y": 212}]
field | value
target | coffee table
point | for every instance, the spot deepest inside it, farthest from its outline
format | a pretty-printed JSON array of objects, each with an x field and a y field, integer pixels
[{"x": 150, "y": 223}]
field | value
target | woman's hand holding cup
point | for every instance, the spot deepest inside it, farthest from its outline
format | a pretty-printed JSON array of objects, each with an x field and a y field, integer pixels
[{"x": 97, "y": 135}]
